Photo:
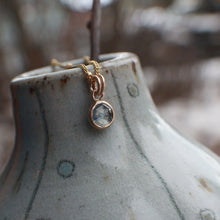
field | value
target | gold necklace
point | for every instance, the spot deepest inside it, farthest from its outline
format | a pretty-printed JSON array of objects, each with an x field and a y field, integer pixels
[{"x": 101, "y": 113}]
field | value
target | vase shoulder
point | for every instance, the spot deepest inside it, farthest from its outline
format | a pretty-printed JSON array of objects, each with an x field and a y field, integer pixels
[{"x": 138, "y": 168}]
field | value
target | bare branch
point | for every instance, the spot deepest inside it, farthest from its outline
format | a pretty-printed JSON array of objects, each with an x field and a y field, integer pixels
[{"x": 95, "y": 27}]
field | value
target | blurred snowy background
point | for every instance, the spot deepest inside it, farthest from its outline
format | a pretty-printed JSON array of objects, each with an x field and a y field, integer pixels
[{"x": 178, "y": 43}]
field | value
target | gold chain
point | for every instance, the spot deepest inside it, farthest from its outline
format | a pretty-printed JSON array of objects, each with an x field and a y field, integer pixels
[
  {"x": 96, "y": 81},
  {"x": 95, "y": 64}
]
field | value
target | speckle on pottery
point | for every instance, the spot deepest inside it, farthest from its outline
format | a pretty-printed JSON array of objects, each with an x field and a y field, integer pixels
[
  {"x": 133, "y": 89},
  {"x": 65, "y": 168},
  {"x": 207, "y": 214}
]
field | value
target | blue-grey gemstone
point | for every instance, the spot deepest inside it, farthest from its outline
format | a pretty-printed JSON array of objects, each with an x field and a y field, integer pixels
[{"x": 102, "y": 115}]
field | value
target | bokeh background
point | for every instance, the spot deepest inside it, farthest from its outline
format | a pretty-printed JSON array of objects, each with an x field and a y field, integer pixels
[{"x": 178, "y": 43}]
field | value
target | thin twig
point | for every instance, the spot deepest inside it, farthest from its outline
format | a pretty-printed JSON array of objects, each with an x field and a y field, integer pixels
[{"x": 95, "y": 27}]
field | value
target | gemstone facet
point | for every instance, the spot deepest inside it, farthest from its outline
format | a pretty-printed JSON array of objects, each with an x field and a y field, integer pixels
[{"x": 102, "y": 114}]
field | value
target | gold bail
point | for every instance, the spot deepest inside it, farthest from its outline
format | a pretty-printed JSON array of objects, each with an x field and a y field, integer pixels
[{"x": 97, "y": 87}]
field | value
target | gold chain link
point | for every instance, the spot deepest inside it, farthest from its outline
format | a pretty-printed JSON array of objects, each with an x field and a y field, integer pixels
[
  {"x": 96, "y": 81},
  {"x": 95, "y": 64}
]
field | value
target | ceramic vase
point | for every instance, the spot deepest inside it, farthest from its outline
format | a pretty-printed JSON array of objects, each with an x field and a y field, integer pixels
[{"x": 138, "y": 169}]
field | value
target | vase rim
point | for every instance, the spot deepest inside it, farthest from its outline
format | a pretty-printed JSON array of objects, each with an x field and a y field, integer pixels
[{"x": 106, "y": 60}]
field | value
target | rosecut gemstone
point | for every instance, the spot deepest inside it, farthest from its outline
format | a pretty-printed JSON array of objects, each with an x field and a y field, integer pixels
[{"x": 102, "y": 115}]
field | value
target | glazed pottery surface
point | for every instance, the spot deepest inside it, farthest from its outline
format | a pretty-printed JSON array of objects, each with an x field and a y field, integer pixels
[{"x": 137, "y": 169}]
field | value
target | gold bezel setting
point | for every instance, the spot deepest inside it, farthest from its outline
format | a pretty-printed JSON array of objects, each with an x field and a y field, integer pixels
[{"x": 102, "y": 121}]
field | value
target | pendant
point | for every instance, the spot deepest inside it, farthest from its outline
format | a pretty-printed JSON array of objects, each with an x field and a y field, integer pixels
[{"x": 101, "y": 114}]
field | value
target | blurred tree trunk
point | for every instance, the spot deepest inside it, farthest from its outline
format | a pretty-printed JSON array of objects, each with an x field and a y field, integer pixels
[
  {"x": 120, "y": 11},
  {"x": 33, "y": 53},
  {"x": 4, "y": 80}
]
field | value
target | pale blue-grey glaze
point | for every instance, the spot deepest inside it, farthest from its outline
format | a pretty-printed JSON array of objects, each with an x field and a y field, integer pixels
[{"x": 137, "y": 169}]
